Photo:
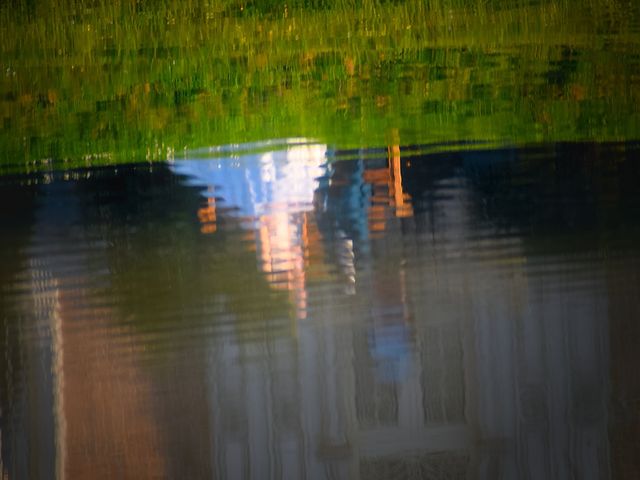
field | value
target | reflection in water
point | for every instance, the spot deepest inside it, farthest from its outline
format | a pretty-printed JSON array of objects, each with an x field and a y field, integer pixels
[
  {"x": 231, "y": 71},
  {"x": 274, "y": 191},
  {"x": 294, "y": 314}
]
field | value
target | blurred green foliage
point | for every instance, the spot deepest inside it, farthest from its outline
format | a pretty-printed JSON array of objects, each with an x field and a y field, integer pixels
[{"x": 100, "y": 82}]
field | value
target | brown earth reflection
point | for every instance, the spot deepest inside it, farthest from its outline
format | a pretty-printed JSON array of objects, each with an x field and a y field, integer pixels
[{"x": 102, "y": 397}]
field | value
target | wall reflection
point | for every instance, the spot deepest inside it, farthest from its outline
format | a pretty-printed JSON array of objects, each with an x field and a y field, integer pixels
[{"x": 291, "y": 314}]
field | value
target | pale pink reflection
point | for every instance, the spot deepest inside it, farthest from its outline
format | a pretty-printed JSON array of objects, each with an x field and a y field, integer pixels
[{"x": 271, "y": 192}]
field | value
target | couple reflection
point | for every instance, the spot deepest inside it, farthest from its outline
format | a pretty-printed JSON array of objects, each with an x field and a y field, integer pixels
[
  {"x": 270, "y": 194},
  {"x": 306, "y": 209}
]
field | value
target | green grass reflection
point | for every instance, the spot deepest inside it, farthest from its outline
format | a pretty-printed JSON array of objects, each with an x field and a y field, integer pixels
[{"x": 87, "y": 83}]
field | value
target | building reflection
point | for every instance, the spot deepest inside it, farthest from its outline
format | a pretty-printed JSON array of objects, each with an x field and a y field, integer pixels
[
  {"x": 345, "y": 401},
  {"x": 435, "y": 333},
  {"x": 430, "y": 366}
]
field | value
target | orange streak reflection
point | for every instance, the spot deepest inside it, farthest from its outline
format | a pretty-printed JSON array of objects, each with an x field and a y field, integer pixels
[
  {"x": 387, "y": 191},
  {"x": 207, "y": 215},
  {"x": 282, "y": 252}
]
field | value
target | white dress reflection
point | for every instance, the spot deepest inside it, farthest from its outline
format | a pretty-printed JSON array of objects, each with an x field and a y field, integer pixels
[{"x": 271, "y": 192}]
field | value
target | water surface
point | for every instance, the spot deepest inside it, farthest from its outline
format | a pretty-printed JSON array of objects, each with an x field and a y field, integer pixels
[
  {"x": 312, "y": 239},
  {"x": 289, "y": 310}
]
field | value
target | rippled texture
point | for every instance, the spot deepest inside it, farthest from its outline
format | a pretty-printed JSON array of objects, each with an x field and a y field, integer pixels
[
  {"x": 288, "y": 310},
  {"x": 105, "y": 82}
]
